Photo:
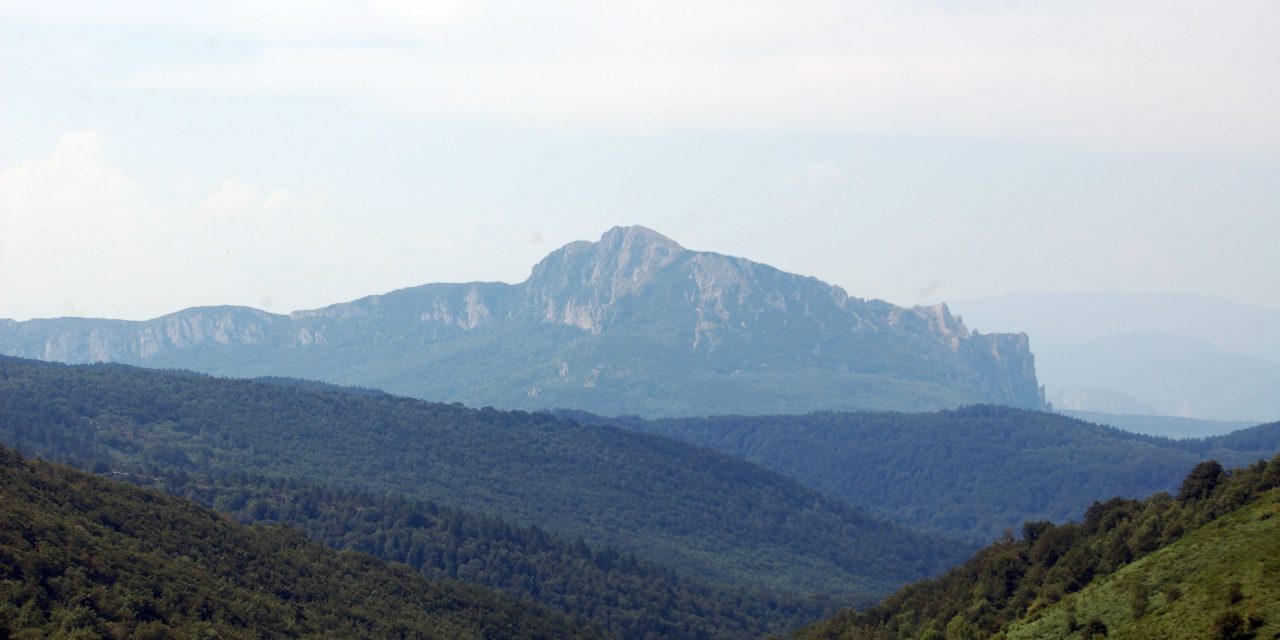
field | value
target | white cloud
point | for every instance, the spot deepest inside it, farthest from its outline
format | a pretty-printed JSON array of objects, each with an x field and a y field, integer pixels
[
  {"x": 59, "y": 217},
  {"x": 233, "y": 198},
  {"x": 80, "y": 236},
  {"x": 284, "y": 200}
]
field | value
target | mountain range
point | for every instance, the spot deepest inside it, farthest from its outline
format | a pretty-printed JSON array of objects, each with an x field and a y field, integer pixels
[{"x": 633, "y": 323}]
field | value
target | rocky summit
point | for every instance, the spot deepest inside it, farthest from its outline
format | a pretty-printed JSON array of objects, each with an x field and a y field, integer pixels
[{"x": 633, "y": 323}]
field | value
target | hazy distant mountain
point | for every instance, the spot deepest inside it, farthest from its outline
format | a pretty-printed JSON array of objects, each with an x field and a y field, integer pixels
[
  {"x": 1097, "y": 400},
  {"x": 633, "y": 323},
  {"x": 1162, "y": 426},
  {"x": 1168, "y": 354}
]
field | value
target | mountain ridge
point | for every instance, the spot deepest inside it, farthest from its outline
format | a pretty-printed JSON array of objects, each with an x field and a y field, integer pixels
[{"x": 632, "y": 323}]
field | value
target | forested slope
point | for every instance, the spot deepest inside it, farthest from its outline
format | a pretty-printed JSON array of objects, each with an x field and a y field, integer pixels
[
  {"x": 1220, "y": 581},
  {"x": 709, "y": 514},
  {"x": 971, "y": 472},
  {"x": 1201, "y": 564},
  {"x": 85, "y": 557},
  {"x": 628, "y": 597}
]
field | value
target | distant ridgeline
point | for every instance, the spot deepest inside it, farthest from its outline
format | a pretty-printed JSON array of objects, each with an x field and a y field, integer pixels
[
  {"x": 713, "y": 517},
  {"x": 84, "y": 557},
  {"x": 631, "y": 324},
  {"x": 1204, "y": 564},
  {"x": 969, "y": 473}
]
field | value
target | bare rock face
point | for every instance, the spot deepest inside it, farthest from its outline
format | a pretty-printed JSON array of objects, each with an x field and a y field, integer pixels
[{"x": 634, "y": 323}]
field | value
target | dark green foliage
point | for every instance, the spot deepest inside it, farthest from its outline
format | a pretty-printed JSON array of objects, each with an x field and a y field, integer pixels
[
  {"x": 628, "y": 597},
  {"x": 1093, "y": 629},
  {"x": 1200, "y": 483},
  {"x": 971, "y": 472},
  {"x": 1235, "y": 593},
  {"x": 1228, "y": 626},
  {"x": 1011, "y": 580},
  {"x": 83, "y": 557},
  {"x": 708, "y": 514}
]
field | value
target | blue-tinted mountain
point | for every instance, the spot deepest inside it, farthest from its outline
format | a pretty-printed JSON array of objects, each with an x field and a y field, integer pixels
[
  {"x": 633, "y": 323},
  {"x": 968, "y": 473},
  {"x": 1183, "y": 355}
]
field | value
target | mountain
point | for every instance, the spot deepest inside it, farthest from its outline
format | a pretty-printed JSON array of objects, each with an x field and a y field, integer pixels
[
  {"x": 1135, "y": 353},
  {"x": 1081, "y": 317},
  {"x": 711, "y": 515},
  {"x": 969, "y": 473},
  {"x": 1201, "y": 564},
  {"x": 1163, "y": 426},
  {"x": 84, "y": 557},
  {"x": 633, "y": 323},
  {"x": 1099, "y": 401}
]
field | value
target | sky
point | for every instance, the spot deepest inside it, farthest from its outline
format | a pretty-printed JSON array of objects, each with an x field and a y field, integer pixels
[{"x": 287, "y": 155}]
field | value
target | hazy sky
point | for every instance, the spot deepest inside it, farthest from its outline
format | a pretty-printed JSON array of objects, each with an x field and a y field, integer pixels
[{"x": 155, "y": 156}]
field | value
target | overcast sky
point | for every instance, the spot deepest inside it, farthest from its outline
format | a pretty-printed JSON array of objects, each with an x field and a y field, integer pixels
[{"x": 169, "y": 154}]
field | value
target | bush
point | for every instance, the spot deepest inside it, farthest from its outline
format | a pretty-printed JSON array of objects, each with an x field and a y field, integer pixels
[
  {"x": 1095, "y": 628},
  {"x": 1227, "y": 626},
  {"x": 1235, "y": 593}
]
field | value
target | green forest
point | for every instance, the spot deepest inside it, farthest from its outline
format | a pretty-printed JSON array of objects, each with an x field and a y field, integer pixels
[
  {"x": 967, "y": 473},
  {"x": 708, "y": 514},
  {"x": 84, "y": 557},
  {"x": 519, "y": 524},
  {"x": 627, "y": 597}
]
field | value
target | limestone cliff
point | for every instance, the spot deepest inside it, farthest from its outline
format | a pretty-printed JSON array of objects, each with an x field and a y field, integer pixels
[{"x": 632, "y": 323}]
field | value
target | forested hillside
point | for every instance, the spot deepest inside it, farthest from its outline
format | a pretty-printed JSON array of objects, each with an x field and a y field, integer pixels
[
  {"x": 1221, "y": 581},
  {"x": 85, "y": 557},
  {"x": 971, "y": 472},
  {"x": 705, "y": 513},
  {"x": 628, "y": 597},
  {"x": 1203, "y": 563}
]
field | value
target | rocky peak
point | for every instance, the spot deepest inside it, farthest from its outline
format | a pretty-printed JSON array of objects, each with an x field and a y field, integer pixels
[
  {"x": 578, "y": 282},
  {"x": 636, "y": 236},
  {"x": 622, "y": 254}
]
